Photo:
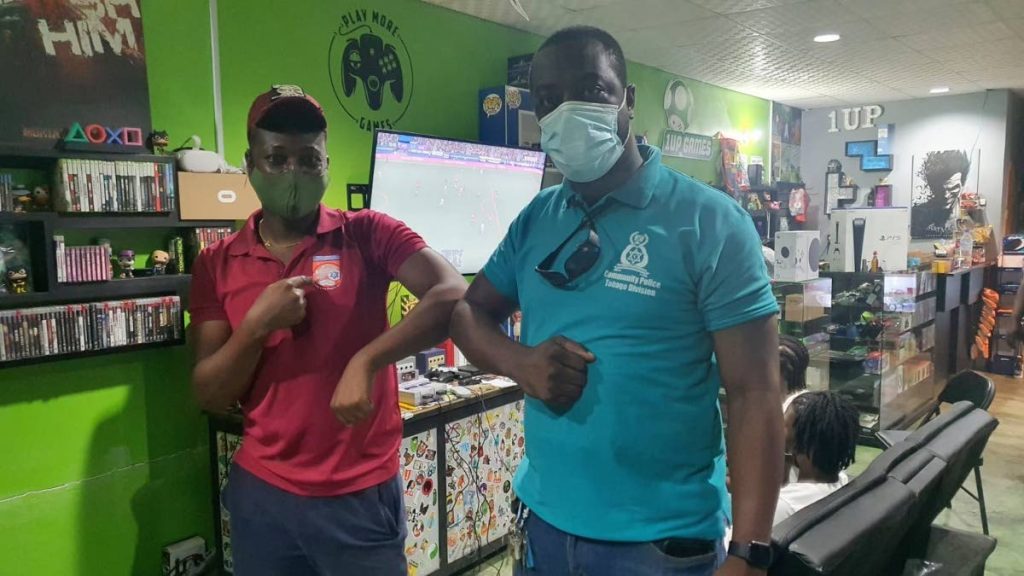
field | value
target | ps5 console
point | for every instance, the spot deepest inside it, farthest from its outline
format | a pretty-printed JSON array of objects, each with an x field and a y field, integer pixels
[{"x": 856, "y": 236}]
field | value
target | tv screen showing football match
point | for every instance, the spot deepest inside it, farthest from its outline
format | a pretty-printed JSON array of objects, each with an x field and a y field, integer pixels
[{"x": 460, "y": 196}]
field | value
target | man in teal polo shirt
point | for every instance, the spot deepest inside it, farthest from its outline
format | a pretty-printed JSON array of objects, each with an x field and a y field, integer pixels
[{"x": 630, "y": 277}]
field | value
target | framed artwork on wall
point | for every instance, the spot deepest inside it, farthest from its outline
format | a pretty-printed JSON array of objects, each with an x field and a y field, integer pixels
[{"x": 939, "y": 179}]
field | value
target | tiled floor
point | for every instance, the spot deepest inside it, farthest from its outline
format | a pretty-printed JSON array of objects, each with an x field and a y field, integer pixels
[{"x": 1002, "y": 476}]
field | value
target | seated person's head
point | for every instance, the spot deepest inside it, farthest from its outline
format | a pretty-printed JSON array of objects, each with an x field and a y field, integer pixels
[
  {"x": 793, "y": 361},
  {"x": 821, "y": 435}
]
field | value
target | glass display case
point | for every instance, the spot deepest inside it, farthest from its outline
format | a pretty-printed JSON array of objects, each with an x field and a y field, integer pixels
[
  {"x": 805, "y": 312},
  {"x": 882, "y": 338}
]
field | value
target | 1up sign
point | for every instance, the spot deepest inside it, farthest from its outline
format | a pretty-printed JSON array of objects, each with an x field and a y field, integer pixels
[{"x": 687, "y": 145}]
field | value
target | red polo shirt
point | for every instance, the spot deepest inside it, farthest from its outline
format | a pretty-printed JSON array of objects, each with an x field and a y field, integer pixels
[{"x": 292, "y": 439}]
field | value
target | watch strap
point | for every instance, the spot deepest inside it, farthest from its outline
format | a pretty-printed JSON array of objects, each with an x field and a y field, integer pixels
[{"x": 756, "y": 554}]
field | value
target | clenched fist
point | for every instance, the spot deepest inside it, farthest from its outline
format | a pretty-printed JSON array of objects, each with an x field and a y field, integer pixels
[
  {"x": 281, "y": 305},
  {"x": 555, "y": 372}
]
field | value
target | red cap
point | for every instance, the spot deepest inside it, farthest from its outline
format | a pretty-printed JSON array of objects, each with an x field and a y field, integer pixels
[{"x": 283, "y": 95}]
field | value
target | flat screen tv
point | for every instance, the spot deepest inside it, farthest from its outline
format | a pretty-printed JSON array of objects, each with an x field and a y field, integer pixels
[{"x": 460, "y": 196}]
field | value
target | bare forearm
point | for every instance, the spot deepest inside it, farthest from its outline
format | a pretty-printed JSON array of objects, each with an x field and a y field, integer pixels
[
  {"x": 755, "y": 443},
  {"x": 221, "y": 379},
  {"x": 479, "y": 337},
  {"x": 426, "y": 325}
]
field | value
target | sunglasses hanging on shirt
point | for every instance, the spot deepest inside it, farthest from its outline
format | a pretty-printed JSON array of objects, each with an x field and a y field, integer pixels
[{"x": 582, "y": 258}]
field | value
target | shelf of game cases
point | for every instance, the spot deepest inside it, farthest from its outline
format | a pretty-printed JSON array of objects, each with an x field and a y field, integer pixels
[
  {"x": 46, "y": 333},
  {"x": 49, "y": 195}
]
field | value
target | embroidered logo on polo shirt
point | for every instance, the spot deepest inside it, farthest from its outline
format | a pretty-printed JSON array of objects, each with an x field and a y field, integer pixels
[
  {"x": 631, "y": 274},
  {"x": 327, "y": 271},
  {"x": 634, "y": 258}
]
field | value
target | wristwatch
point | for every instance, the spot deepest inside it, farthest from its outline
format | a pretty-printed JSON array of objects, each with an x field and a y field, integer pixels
[{"x": 757, "y": 554}]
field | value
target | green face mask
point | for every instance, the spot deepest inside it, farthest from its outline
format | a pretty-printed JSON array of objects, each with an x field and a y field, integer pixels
[{"x": 290, "y": 195}]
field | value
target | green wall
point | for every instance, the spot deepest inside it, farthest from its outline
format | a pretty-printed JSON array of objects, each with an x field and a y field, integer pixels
[{"x": 104, "y": 460}]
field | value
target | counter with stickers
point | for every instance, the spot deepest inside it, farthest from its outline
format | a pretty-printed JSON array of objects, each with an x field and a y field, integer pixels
[{"x": 458, "y": 458}]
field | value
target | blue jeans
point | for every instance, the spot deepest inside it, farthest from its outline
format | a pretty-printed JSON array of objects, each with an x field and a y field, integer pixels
[
  {"x": 556, "y": 553},
  {"x": 277, "y": 533}
]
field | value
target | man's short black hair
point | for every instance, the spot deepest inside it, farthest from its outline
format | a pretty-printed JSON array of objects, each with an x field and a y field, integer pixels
[
  {"x": 585, "y": 34},
  {"x": 826, "y": 427},
  {"x": 793, "y": 361}
]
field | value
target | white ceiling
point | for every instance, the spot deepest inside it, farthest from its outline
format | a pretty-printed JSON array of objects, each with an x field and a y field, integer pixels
[{"x": 890, "y": 49}]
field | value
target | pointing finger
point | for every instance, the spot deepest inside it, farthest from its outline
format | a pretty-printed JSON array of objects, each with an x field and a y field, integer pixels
[{"x": 299, "y": 281}]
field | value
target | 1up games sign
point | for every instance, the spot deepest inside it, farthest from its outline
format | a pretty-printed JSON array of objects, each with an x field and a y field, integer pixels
[
  {"x": 678, "y": 111},
  {"x": 686, "y": 145}
]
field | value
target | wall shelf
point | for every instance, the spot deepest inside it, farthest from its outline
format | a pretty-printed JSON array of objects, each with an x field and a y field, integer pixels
[
  {"x": 90, "y": 353},
  {"x": 101, "y": 220}
]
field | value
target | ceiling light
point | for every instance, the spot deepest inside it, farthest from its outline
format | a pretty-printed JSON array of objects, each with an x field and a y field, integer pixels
[
  {"x": 822, "y": 38},
  {"x": 939, "y": 90}
]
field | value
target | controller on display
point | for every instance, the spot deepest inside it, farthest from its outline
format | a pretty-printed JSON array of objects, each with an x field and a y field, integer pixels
[{"x": 369, "y": 59}]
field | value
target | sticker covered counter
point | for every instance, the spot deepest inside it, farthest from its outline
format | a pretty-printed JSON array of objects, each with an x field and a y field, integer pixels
[{"x": 458, "y": 458}]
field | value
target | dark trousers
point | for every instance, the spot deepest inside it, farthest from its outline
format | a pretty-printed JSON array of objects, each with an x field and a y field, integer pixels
[{"x": 276, "y": 533}]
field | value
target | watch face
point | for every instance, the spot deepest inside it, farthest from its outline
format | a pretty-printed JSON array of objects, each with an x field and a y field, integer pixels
[
  {"x": 757, "y": 554},
  {"x": 760, "y": 554}
]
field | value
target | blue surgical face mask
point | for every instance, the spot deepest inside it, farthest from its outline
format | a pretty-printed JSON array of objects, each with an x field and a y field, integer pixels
[{"x": 582, "y": 139}]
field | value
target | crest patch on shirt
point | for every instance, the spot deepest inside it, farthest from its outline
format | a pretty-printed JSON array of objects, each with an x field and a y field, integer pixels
[{"x": 327, "y": 271}]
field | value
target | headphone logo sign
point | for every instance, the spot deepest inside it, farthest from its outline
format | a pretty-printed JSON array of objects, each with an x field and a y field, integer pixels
[{"x": 371, "y": 69}]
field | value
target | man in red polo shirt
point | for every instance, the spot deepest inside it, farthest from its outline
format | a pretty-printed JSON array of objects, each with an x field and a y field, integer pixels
[{"x": 289, "y": 319}]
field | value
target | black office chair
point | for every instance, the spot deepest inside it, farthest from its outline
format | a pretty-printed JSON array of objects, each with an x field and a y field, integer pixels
[{"x": 969, "y": 386}]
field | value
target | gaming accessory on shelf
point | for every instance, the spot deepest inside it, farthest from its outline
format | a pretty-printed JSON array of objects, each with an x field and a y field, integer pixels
[{"x": 376, "y": 64}]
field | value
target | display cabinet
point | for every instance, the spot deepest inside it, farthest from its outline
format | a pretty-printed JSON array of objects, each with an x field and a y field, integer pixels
[
  {"x": 805, "y": 312},
  {"x": 882, "y": 337}
]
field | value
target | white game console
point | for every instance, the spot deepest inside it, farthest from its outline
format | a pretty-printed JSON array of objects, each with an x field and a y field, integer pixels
[
  {"x": 857, "y": 236},
  {"x": 797, "y": 255}
]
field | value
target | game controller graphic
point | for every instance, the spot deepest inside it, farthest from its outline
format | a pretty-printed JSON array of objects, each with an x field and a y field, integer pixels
[{"x": 375, "y": 63}]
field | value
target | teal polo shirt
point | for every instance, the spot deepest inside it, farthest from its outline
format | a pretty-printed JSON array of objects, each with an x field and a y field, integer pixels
[{"x": 640, "y": 457}]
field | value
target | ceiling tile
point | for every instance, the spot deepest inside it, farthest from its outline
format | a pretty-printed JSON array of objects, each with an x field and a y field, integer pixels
[
  {"x": 697, "y": 31},
  {"x": 577, "y": 5},
  {"x": 1010, "y": 74},
  {"x": 1003, "y": 53},
  {"x": 958, "y": 36},
  {"x": 1008, "y": 8},
  {"x": 734, "y": 6},
  {"x": 877, "y": 8},
  {"x": 899, "y": 49},
  {"x": 1017, "y": 25},
  {"x": 933, "y": 19},
  {"x": 819, "y": 14},
  {"x": 637, "y": 14},
  {"x": 815, "y": 102},
  {"x": 854, "y": 33}
]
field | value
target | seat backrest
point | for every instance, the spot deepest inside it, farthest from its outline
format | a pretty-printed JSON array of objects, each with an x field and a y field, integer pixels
[
  {"x": 873, "y": 524},
  {"x": 969, "y": 386},
  {"x": 958, "y": 437},
  {"x": 853, "y": 531}
]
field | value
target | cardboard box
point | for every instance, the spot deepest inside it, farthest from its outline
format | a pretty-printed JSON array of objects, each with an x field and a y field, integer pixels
[
  {"x": 857, "y": 235},
  {"x": 796, "y": 256},
  {"x": 215, "y": 196}
]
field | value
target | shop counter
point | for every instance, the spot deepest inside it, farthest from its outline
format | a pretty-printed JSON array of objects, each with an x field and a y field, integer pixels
[
  {"x": 458, "y": 458},
  {"x": 956, "y": 318}
]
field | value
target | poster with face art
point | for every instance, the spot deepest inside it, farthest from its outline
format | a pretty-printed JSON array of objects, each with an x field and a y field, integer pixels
[
  {"x": 71, "y": 60},
  {"x": 940, "y": 179}
]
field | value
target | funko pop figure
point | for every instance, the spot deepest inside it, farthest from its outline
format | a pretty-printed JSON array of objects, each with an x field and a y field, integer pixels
[
  {"x": 159, "y": 260},
  {"x": 126, "y": 260},
  {"x": 17, "y": 278}
]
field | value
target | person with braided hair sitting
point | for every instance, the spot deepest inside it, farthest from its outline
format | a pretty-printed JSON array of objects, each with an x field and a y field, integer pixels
[
  {"x": 821, "y": 439},
  {"x": 793, "y": 361}
]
